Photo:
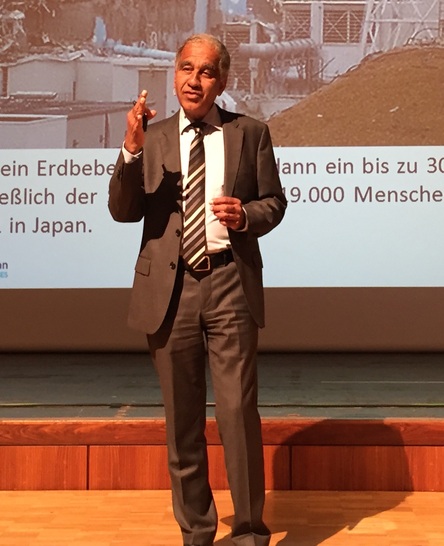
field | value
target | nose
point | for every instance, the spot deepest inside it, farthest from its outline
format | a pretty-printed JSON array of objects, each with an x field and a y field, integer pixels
[{"x": 194, "y": 78}]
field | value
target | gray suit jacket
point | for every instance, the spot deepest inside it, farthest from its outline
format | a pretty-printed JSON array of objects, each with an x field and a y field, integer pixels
[{"x": 150, "y": 188}]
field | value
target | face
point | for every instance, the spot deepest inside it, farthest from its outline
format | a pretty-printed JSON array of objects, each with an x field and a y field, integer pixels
[{"x": 197, "y": 79}]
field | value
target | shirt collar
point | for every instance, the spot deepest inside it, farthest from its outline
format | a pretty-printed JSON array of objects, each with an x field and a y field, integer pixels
[{"x": 212, "y": 119}]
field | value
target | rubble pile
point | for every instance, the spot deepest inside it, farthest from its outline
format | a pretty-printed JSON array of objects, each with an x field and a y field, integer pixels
[
  {"x": 389, "y": 99},
  {"x": 34, "y": 26}
]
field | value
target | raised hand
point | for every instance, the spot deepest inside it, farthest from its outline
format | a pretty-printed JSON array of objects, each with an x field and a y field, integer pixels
[{"x": 135, "y": 136}]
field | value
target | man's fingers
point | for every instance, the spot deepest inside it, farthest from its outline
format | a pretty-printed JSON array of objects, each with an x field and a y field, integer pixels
[
  {"x": 140, "y": 111},
  {"x": 227, "y": 210}
]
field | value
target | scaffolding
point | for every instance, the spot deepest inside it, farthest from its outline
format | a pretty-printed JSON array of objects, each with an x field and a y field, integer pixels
[
  {"x": 441, "y": 20},
  {"x": 394, "y": 23}
]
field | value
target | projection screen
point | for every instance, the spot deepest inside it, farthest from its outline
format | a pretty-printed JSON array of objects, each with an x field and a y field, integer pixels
[{"x": 356, "y": 121}]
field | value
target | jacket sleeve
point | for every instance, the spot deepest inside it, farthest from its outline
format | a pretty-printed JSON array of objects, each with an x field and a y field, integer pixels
[
  {"x": 266, "y": 211},
  {"x": 126, "y": 198}
]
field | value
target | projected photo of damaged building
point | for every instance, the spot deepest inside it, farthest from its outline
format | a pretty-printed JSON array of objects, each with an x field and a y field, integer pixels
[{"x": 71, "y": 68}]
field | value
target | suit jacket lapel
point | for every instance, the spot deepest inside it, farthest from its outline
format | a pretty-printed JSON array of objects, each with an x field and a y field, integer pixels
[
  {"x": 171, "y": 144},
  {"x": 233, "y": 140}
]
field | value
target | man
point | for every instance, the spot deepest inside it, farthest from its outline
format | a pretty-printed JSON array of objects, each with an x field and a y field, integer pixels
[{"x": 210, "y": 302}]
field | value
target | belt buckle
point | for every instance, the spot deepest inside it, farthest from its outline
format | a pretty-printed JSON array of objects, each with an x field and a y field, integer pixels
[{"x": 204, "y": 265}]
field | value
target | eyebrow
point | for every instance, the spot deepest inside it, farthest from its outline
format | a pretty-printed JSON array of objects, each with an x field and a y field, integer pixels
[
  {"x": 185, "y": 63},
  {"x": 209, "y": 67}
]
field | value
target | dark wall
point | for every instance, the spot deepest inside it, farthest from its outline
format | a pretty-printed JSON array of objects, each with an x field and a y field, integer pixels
[{"x": 305, "y": 319}]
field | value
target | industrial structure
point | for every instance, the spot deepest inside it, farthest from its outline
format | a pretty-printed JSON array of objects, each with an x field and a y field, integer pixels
[{"x": 282, "y": 50}]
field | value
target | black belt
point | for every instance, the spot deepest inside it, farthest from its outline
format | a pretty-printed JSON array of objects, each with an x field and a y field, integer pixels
[{"x": 211, "y": 261}]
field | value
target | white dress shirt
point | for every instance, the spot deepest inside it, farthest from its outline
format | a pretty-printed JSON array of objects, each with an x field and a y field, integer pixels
[{"x": 216, "y": 234}]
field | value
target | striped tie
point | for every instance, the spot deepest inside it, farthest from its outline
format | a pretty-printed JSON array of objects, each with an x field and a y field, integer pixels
[{"x": 194, "y": 241}]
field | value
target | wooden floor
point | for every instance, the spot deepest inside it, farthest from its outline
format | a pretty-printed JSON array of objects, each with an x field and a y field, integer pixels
[
  {"x": 354, "y": 448},
  {"x": 144, "y": 518}
]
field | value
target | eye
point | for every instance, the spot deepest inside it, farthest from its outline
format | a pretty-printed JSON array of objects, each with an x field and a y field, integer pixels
[{"x": 209, "y": 73}]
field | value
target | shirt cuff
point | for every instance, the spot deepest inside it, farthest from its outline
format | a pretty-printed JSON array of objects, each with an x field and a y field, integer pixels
[
  {"x": 245, "y": 228},
  {"x": 128, "y": 156}
]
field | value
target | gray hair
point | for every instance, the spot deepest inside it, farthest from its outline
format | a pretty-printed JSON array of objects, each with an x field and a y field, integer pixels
[{"x": 224, "y": 56}]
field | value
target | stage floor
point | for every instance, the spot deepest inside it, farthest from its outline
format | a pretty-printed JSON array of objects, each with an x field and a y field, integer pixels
[
  {"x": 125, "y": 386},
  {"x": 145, "y": 518}
]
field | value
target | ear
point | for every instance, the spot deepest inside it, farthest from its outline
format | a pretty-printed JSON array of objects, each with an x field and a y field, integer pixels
[{"x": 222, "y": 86}]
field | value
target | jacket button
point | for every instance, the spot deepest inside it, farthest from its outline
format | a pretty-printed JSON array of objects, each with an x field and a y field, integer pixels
[
  {"x": 178, "y": 232},
  {"x": 172, "y": 266}
]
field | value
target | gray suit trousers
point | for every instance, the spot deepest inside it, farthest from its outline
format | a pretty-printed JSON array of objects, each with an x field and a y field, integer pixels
[{"x": 208, "y": 315}]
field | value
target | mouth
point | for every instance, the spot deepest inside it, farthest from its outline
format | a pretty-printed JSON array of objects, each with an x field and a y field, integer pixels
[{"x": 193, "y": 95}]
